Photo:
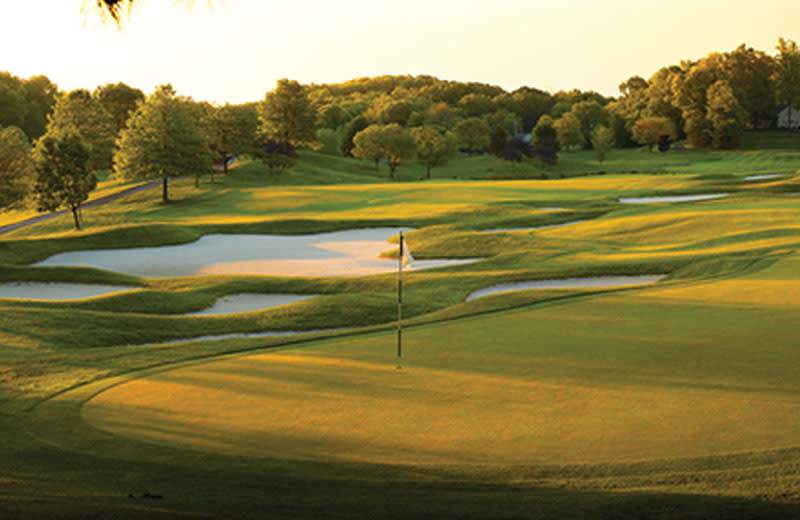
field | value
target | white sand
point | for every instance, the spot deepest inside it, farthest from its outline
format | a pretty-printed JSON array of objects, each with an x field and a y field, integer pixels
[
  {"x": 566, "y": 283},
  {"x": 352, "y": 252},
  {"x": 56, "y": 291}
]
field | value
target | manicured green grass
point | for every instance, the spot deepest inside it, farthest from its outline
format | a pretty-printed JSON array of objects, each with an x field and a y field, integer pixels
[{"x": 672, "y": 401}]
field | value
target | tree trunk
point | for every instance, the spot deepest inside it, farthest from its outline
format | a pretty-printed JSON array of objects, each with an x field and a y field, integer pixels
[
  {"x": 429, "y": 172},
  {"x": 164, "y": 196},
  {"x": 376, "y": 165},
  {"x": 224, "y": 164},
  {"x": 75, "y": 217}
]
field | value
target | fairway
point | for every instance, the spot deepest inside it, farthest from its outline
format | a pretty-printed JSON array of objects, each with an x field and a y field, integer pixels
[
  {"x": 658, "y": 373},
  {"x": 574, "y": 393}
]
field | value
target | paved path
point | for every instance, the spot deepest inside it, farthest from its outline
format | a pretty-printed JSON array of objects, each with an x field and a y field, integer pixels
[{"x": 96, "y": 202}]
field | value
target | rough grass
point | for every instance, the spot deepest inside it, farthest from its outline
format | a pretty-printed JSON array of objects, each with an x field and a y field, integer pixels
[{"x": 672, "y": 401}]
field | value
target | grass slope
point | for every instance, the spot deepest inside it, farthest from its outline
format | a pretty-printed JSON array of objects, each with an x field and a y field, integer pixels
[{"x": 673, "y": 401}]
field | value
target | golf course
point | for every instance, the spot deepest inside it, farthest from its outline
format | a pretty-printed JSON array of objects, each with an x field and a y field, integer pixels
[{"x": 634, "y": 352}]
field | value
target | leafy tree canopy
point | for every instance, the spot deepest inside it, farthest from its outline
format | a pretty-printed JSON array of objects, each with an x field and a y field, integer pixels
[
  {"x": 544, "y": 135},
  {"x": 17, "y": 171},
  {"x": 63, "y": 177},
  {"x": 648, "y": 130},
  {"x": 120, "y": 101},
  {"x": 286, "y": 115},
  {"x": 78, "y": 113},
  {"x": 277, "y": 155},
  {"x": 472, "y": 135},
  {"x": 391, "y": 142},
  {"x": 162, "y": 140},
  {"x": 433, "y": 148},
  {"x": 236, "y": 129},
  {"x": 568, "y": 129}
]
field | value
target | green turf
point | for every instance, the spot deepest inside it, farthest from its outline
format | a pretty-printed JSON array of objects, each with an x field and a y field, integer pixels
[{"x": 722, "y": 326}]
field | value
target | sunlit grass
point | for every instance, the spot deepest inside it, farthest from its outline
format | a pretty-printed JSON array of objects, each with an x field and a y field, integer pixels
[
  {"x": 322, "y": 408},
  {"x": 688, "y": 386}
]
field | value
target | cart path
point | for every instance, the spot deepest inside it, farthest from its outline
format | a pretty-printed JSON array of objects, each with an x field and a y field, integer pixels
[
  {"x": 96, "y": 202},
  {"x": 8, "y": 228}
]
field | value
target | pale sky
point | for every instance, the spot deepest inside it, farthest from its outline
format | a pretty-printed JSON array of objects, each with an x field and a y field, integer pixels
[{"x": 238, "y": 49}]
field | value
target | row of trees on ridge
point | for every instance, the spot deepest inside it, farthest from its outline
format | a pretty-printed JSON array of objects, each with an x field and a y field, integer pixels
[{"x": 391, "y": 119}]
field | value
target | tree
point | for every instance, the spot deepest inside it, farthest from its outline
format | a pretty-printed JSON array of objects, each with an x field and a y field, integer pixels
[
  {"x": 502, "y": 118},
  {"x": 398, "y": 146},
  {"x": 544, "y": 135},
  {"x": 662, "y": 97},
  {"x": 476, "y": 105},
  {"x": 559, "y": 109},
  {"x": 619, "y": 126},
  {"x": 515, "y": 149},
  {"x": 648, "y": 130},
  {"x": 568, "y": 129},
  {"x": 691, "y": 90},
  {"x": 602, "y": 140},
  {"x": 63, "y": 177},
  {"x": 78, "y": 113},
  {"x": 697, "y": 127},
  {"x": 120, "y": 101},
  {"x": 332, "y": 117},
  {"x": 497, "y": 140},
  {"x": 749, "y": 74},
  {"x": 236, "y": 127},
  {"x": 529, "y": 104},
  {"x": 356, "y": 125},
  {"x": 329, "y": 142},
  {"x": 367, "y": 145},
  {"x": 162, "y": 140},
  {"x": 203, "y": 114},
  {"x": 433, "y": 148},
  {"x": 395, "y": 112},
  {"x": 590, "y": 114},
  {"x": 17, "y": 171},
  {"x": 390, "y": 142},
  {"x": 441, "y": 115},
  {"x": 40, "y": 94},
  {"x": 787, "y": 74},
  {"x": 12, "y": 106},
  {"x": 278, "y": 156},
  {"x": 726, "y": 115},
  {"x": 628, "y": 109},
  {"x": 287, "y": 116},
  {"x": 472, "y": 135},
  {"x": 26, "y": 103}
]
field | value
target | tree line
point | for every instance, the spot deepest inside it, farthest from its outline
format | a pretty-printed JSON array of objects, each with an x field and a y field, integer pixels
[{"x": 51, "y": 142}]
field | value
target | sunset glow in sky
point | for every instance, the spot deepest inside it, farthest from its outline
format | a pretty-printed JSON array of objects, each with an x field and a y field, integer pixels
[{"x": 237, "y": 50}]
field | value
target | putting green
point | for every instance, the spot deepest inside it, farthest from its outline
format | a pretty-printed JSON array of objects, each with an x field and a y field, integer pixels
[
  {"x": 274, "y": 405},
  {"x": 620, "y": 377}
]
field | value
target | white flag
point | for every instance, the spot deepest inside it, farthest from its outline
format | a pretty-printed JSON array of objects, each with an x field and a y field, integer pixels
[{"x": 407, "y": 259}]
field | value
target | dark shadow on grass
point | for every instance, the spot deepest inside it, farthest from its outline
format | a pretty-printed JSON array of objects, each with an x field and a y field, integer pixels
[{"x": 69, "y": 470}]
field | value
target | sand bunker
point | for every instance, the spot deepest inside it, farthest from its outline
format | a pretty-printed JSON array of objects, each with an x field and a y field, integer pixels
[
  {"x": 235, "y": 335},
  {"x": 674, "y": 198},
  {"x": 566, "y": 283},
  {"x": 760, "y": 177},
  {"x": 55, "y": 291},
  {"x": 250, "y": 302},
  {"x": 352, "y": 252}
]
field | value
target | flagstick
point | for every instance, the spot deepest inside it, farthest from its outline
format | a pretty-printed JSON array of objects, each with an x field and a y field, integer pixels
[{"x": 400, "y": 301}]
